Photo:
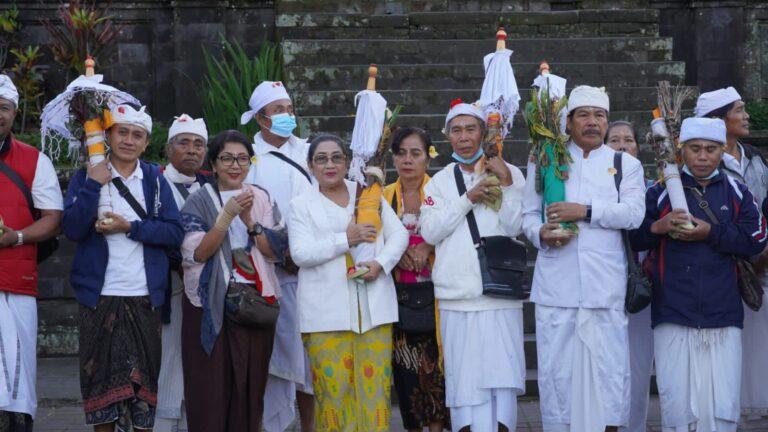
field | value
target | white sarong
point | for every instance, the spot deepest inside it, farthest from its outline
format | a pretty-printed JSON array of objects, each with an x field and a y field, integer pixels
[
  {"x": 289, "y": 366},
  {"x": 18, "y": 353},
  {"x": 698, "y": 372},
  {"x": 754, "y": 374},
  {"x": 169, "y": 416},
  {"x": 640, "y": 367},
  {"x": 583, "y": 365},
  {"x": 484, "y": 366}
]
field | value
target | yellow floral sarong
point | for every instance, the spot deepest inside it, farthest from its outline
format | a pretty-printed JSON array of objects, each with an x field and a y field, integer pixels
[{"x": 351, "y": 375}]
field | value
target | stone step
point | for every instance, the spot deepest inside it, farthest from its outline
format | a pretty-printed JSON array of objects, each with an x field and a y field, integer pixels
[
  {"x": 565, "y": 50},
  {"x": 463, "y": 76},
  {"x": 404, "y": 6},
  {"x": 434, "y": 123},
  {"x": 426, "y": 101},
  {"x": 468, "y": 25}
]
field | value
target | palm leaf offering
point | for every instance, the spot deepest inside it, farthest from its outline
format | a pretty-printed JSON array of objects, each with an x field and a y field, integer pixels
[
  {"x": 544, "y": 115},
  {"x": 664, "y": 140}
]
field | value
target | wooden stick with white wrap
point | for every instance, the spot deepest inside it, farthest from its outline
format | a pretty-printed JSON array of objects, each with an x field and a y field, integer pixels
[{"x": 95, "y": 142}]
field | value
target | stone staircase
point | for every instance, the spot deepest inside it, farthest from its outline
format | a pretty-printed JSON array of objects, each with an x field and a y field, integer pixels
[{"x": 430, "y": 52}]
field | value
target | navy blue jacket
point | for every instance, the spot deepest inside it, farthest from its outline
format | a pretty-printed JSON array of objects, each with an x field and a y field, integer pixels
[
  {"x": 695, "y": 283},
  {"x": 161, "y": 230}
]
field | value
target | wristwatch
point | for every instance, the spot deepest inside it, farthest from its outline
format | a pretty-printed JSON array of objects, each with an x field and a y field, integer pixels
[
  {"x": 588, "y": 217},
  {"x": 19, "y": 238},
  {"x": 258, "y": 229}
]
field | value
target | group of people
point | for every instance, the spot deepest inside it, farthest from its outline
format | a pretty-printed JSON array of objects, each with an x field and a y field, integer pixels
[{"x": 221, "y": 300}]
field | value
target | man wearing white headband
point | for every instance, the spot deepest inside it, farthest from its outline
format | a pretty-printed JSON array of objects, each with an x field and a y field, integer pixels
[
  {"x": 24, "y": 223},
  {"x": 580, "y": 280},
  {"x": 120, "y": 274},
  {"x": 187, "y": 140},
  {"x": 746, "y": 164},
  {"x": 697, "y": 311},
  {"x": 482, "y": 336},
  {"x": 281, "y": 169}
]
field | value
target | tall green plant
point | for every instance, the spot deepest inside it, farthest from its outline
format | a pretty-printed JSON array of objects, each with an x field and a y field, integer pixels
[
  {"x": 9, "y": 30},
  {"x": 28, "y": 78},
  {"x": 231, "y": 79}
]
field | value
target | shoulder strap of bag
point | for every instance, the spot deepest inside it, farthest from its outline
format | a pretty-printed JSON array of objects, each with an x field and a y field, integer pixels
[
  {"x": 129, "y": 198},
  {"x": 704, "y": 205},
  {"x": 292, "y": 163},
  {"x": 16, "y": 180},
  {"x": 471, "y": 215},
  {"x": 182, "y": 190},
  {"x": 617, "y": 165}
]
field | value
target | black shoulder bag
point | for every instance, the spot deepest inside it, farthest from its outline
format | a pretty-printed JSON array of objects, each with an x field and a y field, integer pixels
[
  {"x": 45, "y": 248},
  {"x": 638, "y": 286},
  {"x": 415, "y": 302},
  {"x": 750, "y": 288},
  {"x": 502, "y": 259}
]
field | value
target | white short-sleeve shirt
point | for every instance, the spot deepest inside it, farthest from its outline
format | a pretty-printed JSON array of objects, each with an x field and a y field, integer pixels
[{"x": 46, "y": 192}]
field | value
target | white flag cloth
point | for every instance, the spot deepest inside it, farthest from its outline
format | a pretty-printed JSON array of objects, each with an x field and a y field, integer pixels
[
  {"x": 556, "y": 88},
  {"x": 500, "y": 92},
  {"x": 551, "y": 82},
  {"x": 369, "y": 125},
  {"x": 56, "y": 115}
]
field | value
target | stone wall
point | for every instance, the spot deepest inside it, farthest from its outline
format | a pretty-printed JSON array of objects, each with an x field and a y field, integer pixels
[{"x": 158, "y": 55}]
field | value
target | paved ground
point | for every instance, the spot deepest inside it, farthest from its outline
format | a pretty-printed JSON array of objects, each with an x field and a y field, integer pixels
[{"x": 58, "y": 390}]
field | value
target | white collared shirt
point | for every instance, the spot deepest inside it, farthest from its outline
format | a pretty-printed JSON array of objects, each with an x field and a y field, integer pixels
[
  {"x": 282, "y": 181},
  {"x": 125, "y": 275},
  {"x": 590, "y": 271},
  {"x": 738, "y": 166}
]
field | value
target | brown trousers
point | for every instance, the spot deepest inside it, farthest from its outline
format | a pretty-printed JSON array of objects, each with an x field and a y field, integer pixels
[{"x": 224, "y": 392}]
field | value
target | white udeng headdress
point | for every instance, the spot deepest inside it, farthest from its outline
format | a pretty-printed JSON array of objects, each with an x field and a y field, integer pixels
[
  {"x": 126, "y": 114},
  {"x": 713, "y": 100},
  {"x": 712, "y": 129},
  {"x": 264, "y": 94},
  {"x": 458, "y": 107},
  {"x": 186, "y": 124},
  {"x": 8, "y": 90},
  {"x": 588, "y": 96}
]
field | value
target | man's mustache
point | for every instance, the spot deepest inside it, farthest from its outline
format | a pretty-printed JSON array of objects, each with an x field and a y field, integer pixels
[{"x": 591, "y": 132}]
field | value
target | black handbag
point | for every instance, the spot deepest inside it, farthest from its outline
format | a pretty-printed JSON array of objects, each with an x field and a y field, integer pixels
[
  {"x": 47, "y": 247},
  {"x": 416, "y": 307},
  {"x": 502, "y": 259},
  {"x": 750, "y": 288},
  {"x": 415, "y": 301},
  {"x": 639, "y": 288},
  {"x": 245, "y": 306}
]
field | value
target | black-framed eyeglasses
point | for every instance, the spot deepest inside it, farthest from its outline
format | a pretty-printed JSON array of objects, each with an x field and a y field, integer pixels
[
  {"x": 229, "y": 160},
  {"x": 336, "y": 159}
]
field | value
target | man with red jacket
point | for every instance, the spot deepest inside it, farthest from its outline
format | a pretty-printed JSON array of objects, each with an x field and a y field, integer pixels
[{"x": 30, "y": 212}]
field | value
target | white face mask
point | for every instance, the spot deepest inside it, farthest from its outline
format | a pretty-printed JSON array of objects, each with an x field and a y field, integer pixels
[{"x": 709, "y": 177}]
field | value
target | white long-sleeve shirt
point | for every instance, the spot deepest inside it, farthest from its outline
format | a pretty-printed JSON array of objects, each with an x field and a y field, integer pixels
[
  {"x": 443, "y": 220},
  {"x": 591, "y": 270}
]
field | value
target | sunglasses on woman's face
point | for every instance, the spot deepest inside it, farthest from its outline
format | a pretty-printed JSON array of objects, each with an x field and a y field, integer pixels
[{"x": 336, "y": 159}]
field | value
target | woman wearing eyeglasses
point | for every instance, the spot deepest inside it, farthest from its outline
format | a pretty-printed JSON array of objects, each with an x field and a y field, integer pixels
[
  {"x": 231, "y": 239},
  {"x": 346, "y": 324}
]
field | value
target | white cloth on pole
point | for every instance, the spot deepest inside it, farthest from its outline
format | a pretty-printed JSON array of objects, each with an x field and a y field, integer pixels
[
  {"x": 754, "y": 374},
  {"x": 640, "y": 367},
  {"x": 366, "y": 134},
  {"x": 583, "y": 368},
  {"x": 484, "y": 364},
  {"x": 698, "y": 372},
  {"x": 499, "y": 93},
  {"x": 18, "y": 353}
]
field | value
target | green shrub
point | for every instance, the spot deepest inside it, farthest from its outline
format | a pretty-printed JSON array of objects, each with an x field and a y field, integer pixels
[
  {"x": 230, "y": 81},
  {"x": 758, "y": 113}
]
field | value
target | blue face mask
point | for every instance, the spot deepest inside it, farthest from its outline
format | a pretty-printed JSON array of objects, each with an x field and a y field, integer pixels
[
  {"x": 283, "y": 124},
  {"x": 469, "y": 161},
  {"x": 709, "y": 177}
]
